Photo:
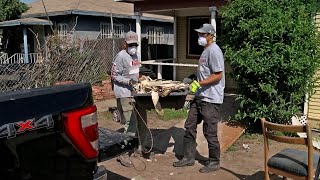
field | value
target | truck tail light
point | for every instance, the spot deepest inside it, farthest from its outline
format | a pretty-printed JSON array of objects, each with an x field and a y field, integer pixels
[{"x": 81, "y": 127}]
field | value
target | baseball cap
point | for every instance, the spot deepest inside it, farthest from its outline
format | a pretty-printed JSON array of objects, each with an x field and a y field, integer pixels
[
  {"x": 206, "y": 28},
  {"x": 131, "y": 37}
]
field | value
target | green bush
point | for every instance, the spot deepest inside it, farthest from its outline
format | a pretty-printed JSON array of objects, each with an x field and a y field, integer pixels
[{"x": 272, "y": 47}]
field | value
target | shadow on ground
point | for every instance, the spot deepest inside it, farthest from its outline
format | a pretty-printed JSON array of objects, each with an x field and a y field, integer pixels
[
  {"x": 256, "y": 176},
  {"x": 114, "y": 176},
  {"x": 170, "y": 140}
]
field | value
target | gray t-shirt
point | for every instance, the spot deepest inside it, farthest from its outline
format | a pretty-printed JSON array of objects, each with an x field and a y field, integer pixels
[
  {"x": 124, "y": 68},
  {"x": 211, "y": 61}
]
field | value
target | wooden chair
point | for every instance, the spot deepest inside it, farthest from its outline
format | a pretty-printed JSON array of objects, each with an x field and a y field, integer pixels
[{"x": 289, "y": 163}]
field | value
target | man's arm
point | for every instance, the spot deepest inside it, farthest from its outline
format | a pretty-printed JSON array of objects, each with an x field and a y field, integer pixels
[
  {"x": 213, "y": 78},
  {"x": 117, "y": 71}
]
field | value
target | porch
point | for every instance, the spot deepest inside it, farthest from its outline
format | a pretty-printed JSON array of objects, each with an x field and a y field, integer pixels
[
  {"x": 23, "y": 37},
  {"x": 188, "y": 15}
]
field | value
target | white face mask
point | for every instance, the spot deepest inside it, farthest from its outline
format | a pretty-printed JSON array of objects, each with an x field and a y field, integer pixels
[
  {"x": 202, "y": 41},
  {"x": 132, "y": 50}
]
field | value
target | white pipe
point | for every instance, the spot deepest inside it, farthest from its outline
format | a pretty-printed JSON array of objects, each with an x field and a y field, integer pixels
[
  {"x": 306, "y": 105},
  {"x": 138, "y": 31},
  {"x": 159, "y": 76},
  {"x": 170, "y": 64},
  {"x": 213, "y": 11},
  {"x": 25, "y": 44},
  {"x": 174, "y": 47},
  {"x": 112, "y": 36}
]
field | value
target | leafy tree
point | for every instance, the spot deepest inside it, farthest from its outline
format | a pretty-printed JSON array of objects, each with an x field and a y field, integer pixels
[
  {"x": 11, "y": 9},
  {"x": 272, "y": 47}
]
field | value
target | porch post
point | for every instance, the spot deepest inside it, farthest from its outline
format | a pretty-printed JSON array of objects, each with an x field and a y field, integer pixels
[
  {"x": 25, "y": 45},
  {"x": 213, "y": 11},
  {"x": 138, "y": 31},
  {"x": 175, "y": 47}
]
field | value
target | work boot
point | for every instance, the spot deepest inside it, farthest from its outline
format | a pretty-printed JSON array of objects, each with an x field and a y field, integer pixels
[
  {"x": 189, "y": 148},
  {"x": 124, "y": 159},
  {"x": 214, "y": 161}
]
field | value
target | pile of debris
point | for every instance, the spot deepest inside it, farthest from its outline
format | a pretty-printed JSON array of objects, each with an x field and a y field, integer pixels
[
  {"x": 162, "y": 87},
  {"x": 159, "y": 88}
]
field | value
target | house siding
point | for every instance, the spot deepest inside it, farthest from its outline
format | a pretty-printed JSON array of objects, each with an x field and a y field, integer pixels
[
  {"x": 88, "y": 27},
  {"x": 183, "y": 72},
  {"x": 314, "y": 101}
]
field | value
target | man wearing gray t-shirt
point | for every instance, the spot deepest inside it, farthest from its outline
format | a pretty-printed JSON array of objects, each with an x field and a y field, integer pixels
[
  {"x": 209, "y": 93},
  {"x": 124, "y": 74}
]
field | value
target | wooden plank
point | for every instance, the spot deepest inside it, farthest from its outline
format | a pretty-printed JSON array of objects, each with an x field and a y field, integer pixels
[
  {"x": 289, "y": 140},
  {"x": 285, "y": 128}
]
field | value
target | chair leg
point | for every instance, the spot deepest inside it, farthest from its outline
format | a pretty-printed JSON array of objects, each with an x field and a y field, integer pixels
[{"x": 266, "y": 176}]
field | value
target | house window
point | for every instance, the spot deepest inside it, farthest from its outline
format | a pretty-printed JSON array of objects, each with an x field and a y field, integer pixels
[
  {"x": 193, "y": 49},
  {"x": 155, "y": 35},
  {"x": 62, "y": 30},
  {"x": 106, "y": 30}
]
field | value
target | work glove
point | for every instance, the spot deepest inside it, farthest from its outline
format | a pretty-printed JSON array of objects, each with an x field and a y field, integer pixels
[
  {"x": 194, "y": 86},
  {"x": 132, "y": 82}
]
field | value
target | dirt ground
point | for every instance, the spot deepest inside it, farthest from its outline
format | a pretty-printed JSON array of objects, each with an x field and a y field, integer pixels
[{"x": 237, "y": 162}]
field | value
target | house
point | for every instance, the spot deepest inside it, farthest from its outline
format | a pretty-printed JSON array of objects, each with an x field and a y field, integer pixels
[
  {"x": 87, "y": 20},
  {"x": 188, "y": 15}
]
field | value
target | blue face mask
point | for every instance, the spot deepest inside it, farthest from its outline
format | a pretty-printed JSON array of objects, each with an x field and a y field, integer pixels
[{"x": 202, "y": 41}]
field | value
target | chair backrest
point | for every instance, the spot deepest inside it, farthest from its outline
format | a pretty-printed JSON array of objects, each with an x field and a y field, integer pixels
[{"x": 270, "y": 128}]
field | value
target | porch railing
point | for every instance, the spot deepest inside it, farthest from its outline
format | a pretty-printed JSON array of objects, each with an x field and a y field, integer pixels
[
  {"x": 3, "y": 57},
  {"x": 18, "y": 58}
]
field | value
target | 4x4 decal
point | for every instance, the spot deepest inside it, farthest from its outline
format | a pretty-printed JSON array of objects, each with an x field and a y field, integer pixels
[{"x": 12, "y": 129}]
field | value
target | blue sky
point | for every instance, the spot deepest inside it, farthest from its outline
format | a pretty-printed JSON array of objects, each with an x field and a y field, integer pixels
[{"x": 27, "y": 1}]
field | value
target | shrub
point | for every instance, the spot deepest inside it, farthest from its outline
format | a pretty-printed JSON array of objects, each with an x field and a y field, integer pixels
[{"x": 272, "y": 47}]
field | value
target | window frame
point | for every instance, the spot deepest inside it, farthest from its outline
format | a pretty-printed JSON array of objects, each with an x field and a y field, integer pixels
[
  {"x": 62, "y": 30},
  {"x": 188, "y": 55}
]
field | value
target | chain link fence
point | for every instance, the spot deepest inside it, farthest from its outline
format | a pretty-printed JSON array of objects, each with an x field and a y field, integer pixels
[{"x": 61, "y": 60}]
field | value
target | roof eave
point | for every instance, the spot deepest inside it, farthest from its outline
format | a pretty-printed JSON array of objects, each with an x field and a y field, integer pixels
[
  {"x": 93, "y": 13},
  {"x": 10, "y": 24}
]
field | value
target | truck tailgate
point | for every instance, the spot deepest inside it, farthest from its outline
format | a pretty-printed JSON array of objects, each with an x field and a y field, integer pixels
[{"x": 35, "y": 103}]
